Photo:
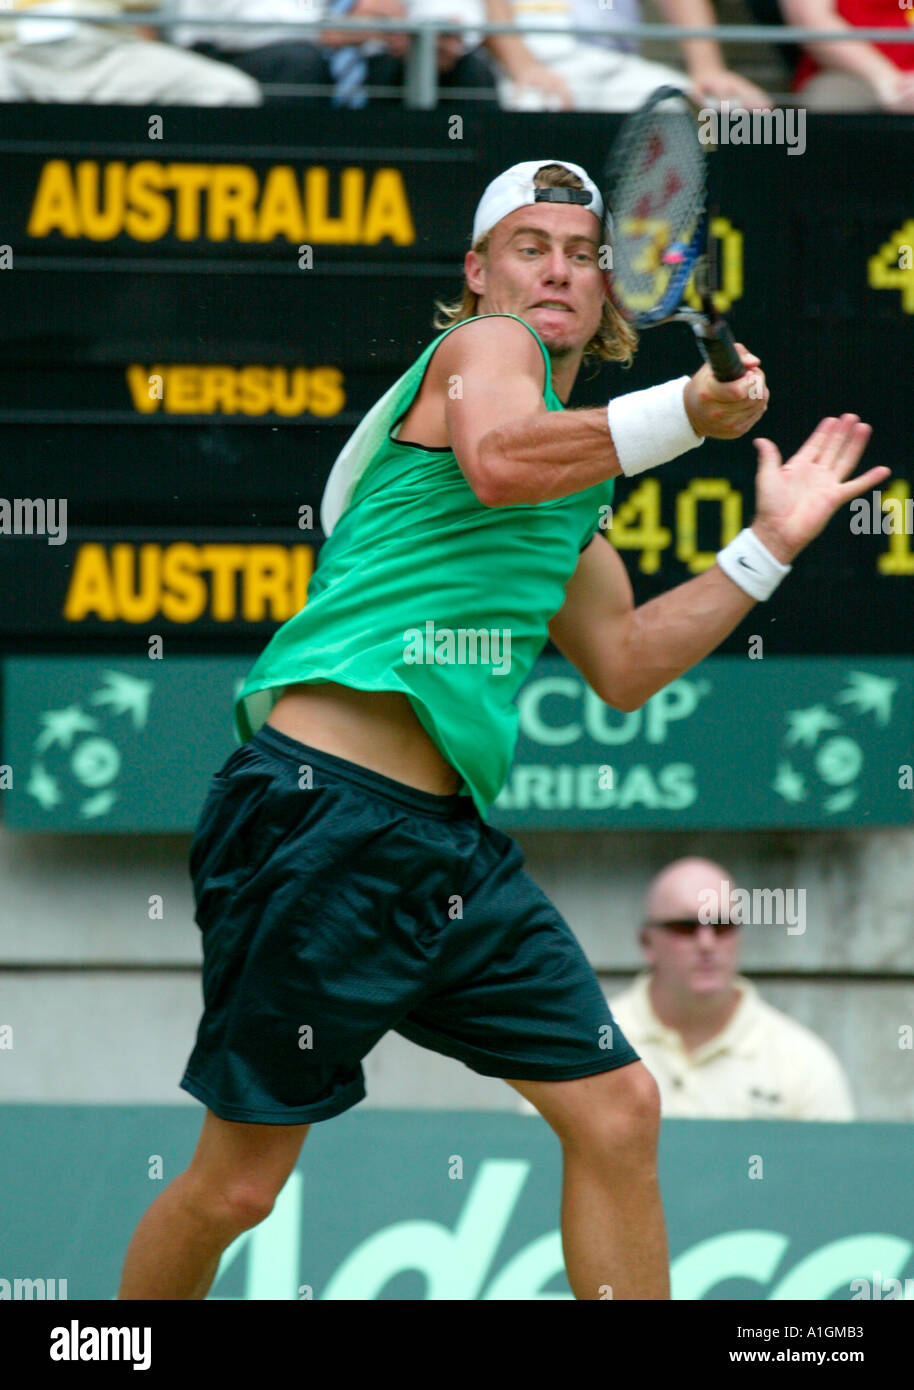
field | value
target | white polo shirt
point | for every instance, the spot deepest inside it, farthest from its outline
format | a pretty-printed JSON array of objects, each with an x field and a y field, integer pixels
[{"x": 762, "y": 1065}]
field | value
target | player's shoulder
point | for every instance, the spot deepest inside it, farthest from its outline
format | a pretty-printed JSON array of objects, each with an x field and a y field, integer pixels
[{"x": 503, "y": 336}]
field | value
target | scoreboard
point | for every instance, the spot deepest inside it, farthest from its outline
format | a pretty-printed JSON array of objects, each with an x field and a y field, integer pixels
[{"x": 198, "y": 308}]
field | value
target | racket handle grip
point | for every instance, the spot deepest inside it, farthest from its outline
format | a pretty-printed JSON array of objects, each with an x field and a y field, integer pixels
[{"x": 718, "y": 349}]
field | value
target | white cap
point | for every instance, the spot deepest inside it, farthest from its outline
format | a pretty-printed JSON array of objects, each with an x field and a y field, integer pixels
[{"x": 514, "y": 189}]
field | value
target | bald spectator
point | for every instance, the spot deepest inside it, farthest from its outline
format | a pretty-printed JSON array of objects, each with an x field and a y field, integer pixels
[{"x": 715, "y": 1048}]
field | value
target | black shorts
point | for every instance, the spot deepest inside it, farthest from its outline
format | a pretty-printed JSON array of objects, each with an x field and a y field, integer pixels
[{"x": 336, "y": 911}]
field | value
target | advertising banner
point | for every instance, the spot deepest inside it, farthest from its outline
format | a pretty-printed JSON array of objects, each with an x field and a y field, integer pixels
[
  {"x": 461, "y": 1205},
  {"x": 130, "y": 744}
]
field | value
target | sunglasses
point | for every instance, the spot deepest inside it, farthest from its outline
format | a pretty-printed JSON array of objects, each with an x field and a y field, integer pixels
[{"x": 687, "y": 926}]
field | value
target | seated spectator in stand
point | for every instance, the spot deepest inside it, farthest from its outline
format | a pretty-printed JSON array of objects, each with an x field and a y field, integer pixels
[
  {"x": 520, "y": 71},
  {"x": 283, "y": 58},
  {"x": 507, "y": 57},
  {"x": 333, "y": 65},
  {"x": 607, "y": 73},
  {"x": 463, "y": 61},
  {"x": 337, "y": 64},
  {"x": 715, "y": 1048},
  {"x": 460, "y": 60},
  {"x": 64, "y": 60},
  {"x": 851, "y": 76}
]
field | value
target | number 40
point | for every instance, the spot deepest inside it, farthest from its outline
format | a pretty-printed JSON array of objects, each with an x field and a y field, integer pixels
[{"x": 636, "y": 523}]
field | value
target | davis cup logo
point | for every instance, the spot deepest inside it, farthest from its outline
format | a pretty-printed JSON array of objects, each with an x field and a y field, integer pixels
[
  {"x": 826, "y": 742},
  {"x": 78, "y": 751}
]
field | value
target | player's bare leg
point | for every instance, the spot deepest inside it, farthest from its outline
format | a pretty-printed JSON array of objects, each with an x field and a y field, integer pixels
[
  {"x": 234, "y": 1177},
  {"x": 613, "y": 1228}
]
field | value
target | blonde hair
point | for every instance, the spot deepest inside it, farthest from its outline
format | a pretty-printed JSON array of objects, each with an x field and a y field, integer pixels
[{"x": 614, "y": 341}]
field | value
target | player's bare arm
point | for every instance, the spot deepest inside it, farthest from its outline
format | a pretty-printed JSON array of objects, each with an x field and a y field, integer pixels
[
  {"x": 625, "y": 653},
  {"x": 513, "y": 450}
]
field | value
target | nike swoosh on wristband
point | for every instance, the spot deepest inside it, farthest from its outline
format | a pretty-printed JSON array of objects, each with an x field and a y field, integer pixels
[{"x": 746, "y": 565}]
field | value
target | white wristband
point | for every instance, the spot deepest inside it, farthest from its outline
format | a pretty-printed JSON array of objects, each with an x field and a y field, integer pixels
[
  {"x": 751, "y": 565},
  {"x": 651, "y": 427}
]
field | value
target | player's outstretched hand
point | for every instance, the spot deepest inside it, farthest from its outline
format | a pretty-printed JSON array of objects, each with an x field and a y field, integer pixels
[
  {"x": 727, "y": 409},
  {"x": 795, "y": 500}
]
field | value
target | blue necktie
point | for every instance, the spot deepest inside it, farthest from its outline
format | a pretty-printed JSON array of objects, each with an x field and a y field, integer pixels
[{"x": 348, "y": 68}]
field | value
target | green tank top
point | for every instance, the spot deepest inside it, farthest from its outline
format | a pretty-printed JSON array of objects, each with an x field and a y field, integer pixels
[{"x": 422, "y": 589}]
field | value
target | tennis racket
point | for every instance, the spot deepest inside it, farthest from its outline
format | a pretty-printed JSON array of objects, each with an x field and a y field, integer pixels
[{"x": 655, "y": 193}]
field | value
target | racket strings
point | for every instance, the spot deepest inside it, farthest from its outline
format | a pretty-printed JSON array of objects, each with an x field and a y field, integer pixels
[{"x": 657, "y": 180}]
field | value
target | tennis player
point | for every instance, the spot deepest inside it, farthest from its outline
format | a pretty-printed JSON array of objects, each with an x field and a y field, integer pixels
[{"x": 346, "y": 879}]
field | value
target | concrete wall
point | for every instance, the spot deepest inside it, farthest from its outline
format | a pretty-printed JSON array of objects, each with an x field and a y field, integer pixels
[{"x": 104, "y": 1002}]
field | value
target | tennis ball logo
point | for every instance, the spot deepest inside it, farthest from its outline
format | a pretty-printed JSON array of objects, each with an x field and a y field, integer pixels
[
  {"x": 839, "y": 761},
  {"x": 77, "y": 752},
  {"x": 96, "y": 762}
]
